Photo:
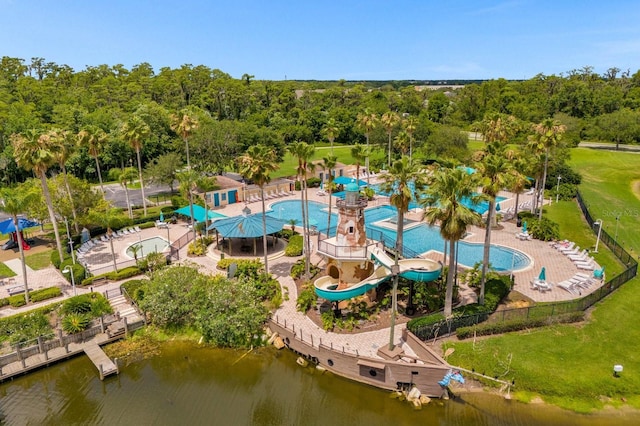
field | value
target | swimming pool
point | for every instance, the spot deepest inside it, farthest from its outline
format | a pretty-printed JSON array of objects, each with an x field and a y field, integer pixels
[
  {"x": 149, "y": 245},
  {"x": 419, "y": 239}
]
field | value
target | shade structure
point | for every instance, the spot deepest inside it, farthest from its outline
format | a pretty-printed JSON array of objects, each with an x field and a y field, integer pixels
[
  {"x": 344, "y": 180},
  {"x": 249, "y": 226},
  {"x": 543, "y": 274},
  {"x": 7, "y": 226},
  {"x": 198, "y": 213}
]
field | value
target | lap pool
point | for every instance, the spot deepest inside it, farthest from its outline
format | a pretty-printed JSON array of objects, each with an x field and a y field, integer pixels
[{"x": 419, "y": 239}]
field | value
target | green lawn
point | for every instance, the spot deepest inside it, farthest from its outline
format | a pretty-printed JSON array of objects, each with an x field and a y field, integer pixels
[
  {"x": 39, "y": 260},
  {"x": 572, "y": 365},
  {"x": 5, "y": 271}
]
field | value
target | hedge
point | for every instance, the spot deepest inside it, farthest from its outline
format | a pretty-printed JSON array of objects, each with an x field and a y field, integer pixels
[
  {"x": 294, "y": 248},
  {"x": 131, "y": 271},
  {"x": 34, "y": 296},
  {"x": 79, "y": 272},
  {"x": 516, "y": 325}
]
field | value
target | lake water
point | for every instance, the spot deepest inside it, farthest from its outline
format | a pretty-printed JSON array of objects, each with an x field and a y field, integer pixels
[{"x": 187, "y": 384}]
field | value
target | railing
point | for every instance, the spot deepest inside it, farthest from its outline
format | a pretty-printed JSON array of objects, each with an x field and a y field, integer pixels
[
  {"x": 343, "y": 252},
  {"x": 174, "y": 248},
  {"x": 449, "y": 326},
  {"x": 359, "y": 203}
]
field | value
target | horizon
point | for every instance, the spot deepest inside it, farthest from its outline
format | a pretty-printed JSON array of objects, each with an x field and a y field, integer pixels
[{"x": 332, "y": 41}]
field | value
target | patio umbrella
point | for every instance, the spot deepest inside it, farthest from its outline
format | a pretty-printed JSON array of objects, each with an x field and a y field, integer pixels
[
  {"x": 7, "y": 226},
  {"x": 161, "y": 216},
  {"x": 524, "y": 227},
  {"x": 543, "y": 274},
  {"x": 498, "y": 207}
]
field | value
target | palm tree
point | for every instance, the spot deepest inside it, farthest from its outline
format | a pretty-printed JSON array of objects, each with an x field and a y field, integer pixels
[
  {"x": 15, "y": 201},
  {"x": 304, "y": 152},
  {"x": 359, "y": 153},
  {"x": 519, "y": 180},
  {"x": 184, "y": 125},
  {"x": 403, "y": 142},
  {"x": 36, "y": 152},
  {"x": 125, "y": 177},
  {"x": 332, "y": 130},
  {"x": 496, "y": 172},
  {"x": 410, "y": 126},
  {"x": 547, "y": 136},
  {"x": 65, "y": 148},
  {"x": 328, "y": 164},
  {"x": 188, "y": 183},
  {"x": 444, "y": 198},
  {"x": 257, "y": 164},
  {"x": 398, "y": 182},
  {"x": 389, "y": 121},
  {"x": 94, "y": 138},
  {"x": 135, "y": 131},
  {"x": 367, "y": 122},
  {"x": 106, "y": 216}
]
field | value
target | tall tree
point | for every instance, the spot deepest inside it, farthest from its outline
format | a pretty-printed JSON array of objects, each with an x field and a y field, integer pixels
[
  {"x": 367, "y": 122},
  {"x": 188, "y": 183},
  {"x": 35, "y": 151},
  {"x": 332, "y": 131},
  {"x": 304, "y": 152},
  {"x": 359, "y": 153},
  {"x": 125, "y": 177},
  {"x": 95, "y": 139},
  {"x": 184, "y": 124},
  {"x": 257, "y": 164},
  {"x": 402, "y": 181},
  {"x": 389, "y": 121},
  {"x": 546, "y": 137},
  {"x": 328, "y": 164},
  {"x": 15, "y": 201},
  {"x": 447, "y": 190},
  {"x": 410, "y": 125},
  {"x": 136, "y": 131},
  {"x": 65, "y": 148}
]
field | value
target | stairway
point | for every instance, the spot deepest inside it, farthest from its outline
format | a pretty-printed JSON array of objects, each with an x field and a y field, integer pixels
[{"x": 122, "y": 307}]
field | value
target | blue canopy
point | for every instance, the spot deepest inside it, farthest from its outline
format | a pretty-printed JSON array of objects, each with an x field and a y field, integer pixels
[
  {"x": 198, "y": 213},
  {"x": 7, "y": 226},
  {"x": 246, "y": 226},
  {"x": 344, "y": 180}
]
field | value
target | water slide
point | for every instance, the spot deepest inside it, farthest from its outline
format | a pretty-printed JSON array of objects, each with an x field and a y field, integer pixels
[
  {"x": 412, "y": 269},
  {"x": 327, "y": 286}
]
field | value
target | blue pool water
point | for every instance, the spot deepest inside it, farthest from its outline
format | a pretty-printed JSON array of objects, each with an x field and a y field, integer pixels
[
  {"x": 418, "y": 239},
  {"x": 149, "y": 245}
]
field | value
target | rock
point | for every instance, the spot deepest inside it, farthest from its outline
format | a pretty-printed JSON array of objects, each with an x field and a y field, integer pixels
[
  {"x": 272, "y": 338},
  {"x": 320, "y": 368},
  {"x": 416, "y": 404},
  {"x": 302, "y": 362},
  {"x": 278, "y": 343},
  {"x": 424, "y": 399},
  {"x": 414, "y": 393}
]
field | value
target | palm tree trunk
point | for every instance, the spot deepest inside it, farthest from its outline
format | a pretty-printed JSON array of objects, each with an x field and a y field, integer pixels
[
  {"x": 448, "y": 298},
  {"x": 305, "y": 225},
  {"x": 52, "y": 215},
  {"x": 394, "y": 308},
  {"x": 487, "y": 246},
  {"x": 517, "y": 201},
  {"x": 99, "y": 174},
  {"x": 193, "y": 219},
  {"x": 544, "y": 182},
  {"x": 366, "y": 162},
  {"x": 144, "y": 200},
  {"x": 113, "y": 252},
  {"x": 126, "y": 194},
  {"x": 329, "y": 217},
  {"x": 186, "y": 142},
  {"x": 73, "y": 206},
  {"x": 264, "y": 232},
  {"x": 389, "y": 153},
  {"x": 22, "y": 258}
]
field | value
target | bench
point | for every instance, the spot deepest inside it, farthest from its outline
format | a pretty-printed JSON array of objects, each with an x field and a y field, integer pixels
[{"x": 16, "y": 290}]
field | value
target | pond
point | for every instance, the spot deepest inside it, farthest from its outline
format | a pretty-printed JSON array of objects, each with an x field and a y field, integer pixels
[{"x": 189, "y": 384}]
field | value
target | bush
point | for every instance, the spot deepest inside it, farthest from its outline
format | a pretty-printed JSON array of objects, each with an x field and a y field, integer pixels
[
  {"x": 75, "y": 323},
  {"x": 544, "y": 229},
  {"x": 313, "y": 182},
  {"x": 297, "y": 270},
  {"x": 328, "y": 319},
  {"x": 294, "y": 247},
  {"x": 286, "y": 234},
  {"x": 199, "y": 246},
  {"x": 178, "y": 201},
  {"x": 426, "y": 320},
  {"x": 44, "y": 294},
  {"x": 517, "y": 325},
  {"x": 78, "y": 270},
  {"x": 306, "y": 299},
  {"x": 146, "y": 225},
  {"x": 128, "y": 272},
  {"x": 55, "y": 258},
  {"x": 135, "y": 289},
  {"x": 17, "y": 300},
  {"x": 77, "y": 305}
]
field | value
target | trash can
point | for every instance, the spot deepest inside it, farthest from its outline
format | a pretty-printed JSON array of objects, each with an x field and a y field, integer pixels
[{"x": 519, "y": 222}]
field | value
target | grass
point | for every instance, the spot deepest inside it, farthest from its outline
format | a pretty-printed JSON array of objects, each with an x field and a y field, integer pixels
[
  {"x": 39, "y": 260},
  {"x": 5, "y": 271},
  {"x": 572, "y": 365}
]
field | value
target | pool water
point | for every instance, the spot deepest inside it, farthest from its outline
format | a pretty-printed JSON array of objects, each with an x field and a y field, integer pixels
[
  {"x": 418, "y": 239},
  {"x": 149, "y": 245}
]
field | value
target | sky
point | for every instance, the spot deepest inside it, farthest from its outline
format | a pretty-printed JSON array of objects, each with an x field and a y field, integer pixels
[{"x": 330, "y": 40}]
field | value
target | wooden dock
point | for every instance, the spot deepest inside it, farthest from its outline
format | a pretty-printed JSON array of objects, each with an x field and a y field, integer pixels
[{"x": 105, "y": 366}]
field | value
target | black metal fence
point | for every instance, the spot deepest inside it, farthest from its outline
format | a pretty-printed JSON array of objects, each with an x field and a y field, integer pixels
[{"x": 449, "y": 326}]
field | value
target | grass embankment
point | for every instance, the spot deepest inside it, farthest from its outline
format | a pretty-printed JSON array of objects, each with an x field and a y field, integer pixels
[
  {"x": 39, "y": 260},
  {"x": 5, "y": 271},
  {"x": 567, "y": 365}
]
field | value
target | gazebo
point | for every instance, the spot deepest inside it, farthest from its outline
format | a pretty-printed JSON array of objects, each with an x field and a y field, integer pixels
[{"x": 244, "y": 227}]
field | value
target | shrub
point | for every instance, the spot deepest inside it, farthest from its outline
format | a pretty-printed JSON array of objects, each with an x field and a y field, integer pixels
[
  {"x": 135, "y": 289},
  {"x": 129, "y": 272},
  {"x": 294, "y": 247},
  {"x": 297, "y": 270},
  {"x": 313, "y": 182},
  {"x": 544, "y": 229},
  {"x": 77, "y": 305},
  {"x": 307, "y": 298},
  {"x": 516, "y": 325},
  {"x": 75, "y": 323},
  {"x": 199, "y": 247},
  {"x": 55, "y": 258},
  {"x": 178, "y": 201},
  {"x": 328, "y": 319},
  {"x": 77, "y": 269},
  {"x": 44, "y": 294},
  {"x": 17, "y": 300},
  {"x": 426, "y": 320},
  {"x": 146, "y": 225},
  {"x": 286, "y": 234}
]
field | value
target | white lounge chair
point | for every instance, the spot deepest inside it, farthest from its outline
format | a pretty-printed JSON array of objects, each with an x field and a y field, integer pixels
[
  {"x": 137, "y": 228},
  {"x": 585, "y": 266},
  {"x": 584, "y": 255},
  {"x": 572, "y": 249},
  {"x": 569, "y": 286}
]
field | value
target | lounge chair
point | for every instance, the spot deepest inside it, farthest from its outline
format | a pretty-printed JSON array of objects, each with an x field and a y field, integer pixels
[
  {"x": 104, "y": 239},
  {"x": 585, "y": 266},
  {"x": 584, "y": 255},
  {"x": 137, "y": 228},
  {"x": 124, "y": 231},
  {"x": 570, "y": 249},
  {"x": 570, "y": 287}
]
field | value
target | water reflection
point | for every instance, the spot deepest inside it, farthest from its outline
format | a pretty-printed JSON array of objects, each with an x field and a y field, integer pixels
[{"x": 186, "y": 384}]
